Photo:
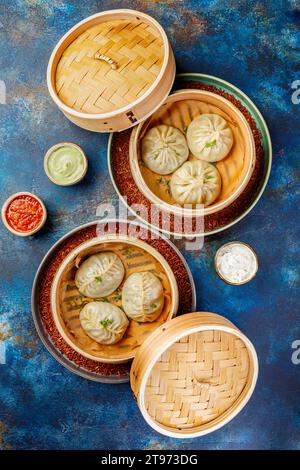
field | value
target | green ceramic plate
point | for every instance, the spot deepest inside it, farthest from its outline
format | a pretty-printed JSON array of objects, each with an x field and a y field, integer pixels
[{"x": 261, "y": 125}]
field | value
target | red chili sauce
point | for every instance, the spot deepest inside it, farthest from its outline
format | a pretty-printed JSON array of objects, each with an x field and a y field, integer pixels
[{"x": 24, "y": 213}]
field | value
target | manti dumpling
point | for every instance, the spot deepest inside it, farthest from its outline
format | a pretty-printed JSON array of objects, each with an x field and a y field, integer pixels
[
  {"x": 143, "y": 296},
  {"x": 195, "y": 182},
  {"x": 103, "y": 322},
  {"x": 164, "y": 149},
  {"x": 99, "y": 275},
  {"x": 209, "y": 137}
]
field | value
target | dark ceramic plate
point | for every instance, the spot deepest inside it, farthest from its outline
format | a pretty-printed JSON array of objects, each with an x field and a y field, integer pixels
[{"x": 40, "y": 324}]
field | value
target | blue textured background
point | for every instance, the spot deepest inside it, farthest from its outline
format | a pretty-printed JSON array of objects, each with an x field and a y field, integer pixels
[{"x": 254, "y": 45}]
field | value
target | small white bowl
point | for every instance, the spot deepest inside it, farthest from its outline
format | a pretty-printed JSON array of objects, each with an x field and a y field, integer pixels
[
  {"x": 57, "y": 146},
  {"x": 7, "y": 203},
  {"x": 225, "y": 279}
]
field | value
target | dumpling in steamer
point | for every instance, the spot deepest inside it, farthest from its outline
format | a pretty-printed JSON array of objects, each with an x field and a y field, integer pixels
[
  {"x": 209, "y": 137},
  {"x": 103, "y": 322},
  {"x": 196, "y": 182},
  {"x": 99, "y": 275},
  {"x": 143, "y": 296},
  {"x": 164, "y": 149}
]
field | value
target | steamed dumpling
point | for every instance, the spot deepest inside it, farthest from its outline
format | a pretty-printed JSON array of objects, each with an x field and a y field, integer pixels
[
  {"x": 195, "y": 182},
  {"x": 164, "y": 149},
  {"x": 209, "y": 137},
  {"x": 143, "y": 296},
  {"x": 100, "y": 275},
  {"x": 103, "y": 322}
]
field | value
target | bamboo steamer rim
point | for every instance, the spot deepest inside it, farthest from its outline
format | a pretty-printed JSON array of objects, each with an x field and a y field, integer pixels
[
  {"x": 163, "y": 338},
  {"x": 88, "y": 244},
  {"x": 79, "y": 26},
  {"x": 178, "y": 95}
]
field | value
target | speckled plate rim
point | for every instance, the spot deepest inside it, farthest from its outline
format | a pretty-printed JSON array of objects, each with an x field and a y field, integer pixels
[
  {"x": 43, "y": 335},
  {"x": 266, "y": 142}
]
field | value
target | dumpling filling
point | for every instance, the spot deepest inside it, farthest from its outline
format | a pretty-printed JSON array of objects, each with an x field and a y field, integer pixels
[
  {"x": 100, "y": 275},
  {"x": 164, "y": 149},
  {"x": 143, "y": 296},
  {"x": 196, "y": 182},
  {"x": 103, "y": 322},
  {"x": 209, "y": 137}
]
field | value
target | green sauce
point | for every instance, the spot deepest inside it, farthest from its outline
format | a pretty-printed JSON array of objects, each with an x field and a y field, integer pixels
[{"x": 66, "y": 165}]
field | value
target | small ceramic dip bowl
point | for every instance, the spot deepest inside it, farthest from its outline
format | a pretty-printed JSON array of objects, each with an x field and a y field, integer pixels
[
  {"x": 24, "y": 214},
  {"x": 236, "y": 263},
  {"x": 65, "y": 164}
]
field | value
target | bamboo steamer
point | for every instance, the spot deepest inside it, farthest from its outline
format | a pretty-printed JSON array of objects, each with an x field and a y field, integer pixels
[
  {"x": 179, "y": 109},
  {"x": 66, "y": 301},
  {"x": 193, "y": 375},
  {"x": 111, "y": 70}
]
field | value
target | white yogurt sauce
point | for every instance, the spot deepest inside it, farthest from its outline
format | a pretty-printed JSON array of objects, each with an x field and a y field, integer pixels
[{"x": 236, "y": 263}]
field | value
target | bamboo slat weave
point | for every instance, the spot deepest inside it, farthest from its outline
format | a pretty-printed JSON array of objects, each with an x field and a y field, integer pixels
[
  {"x": 93, "y": 86},
  {"x": 197, "y": 379}
]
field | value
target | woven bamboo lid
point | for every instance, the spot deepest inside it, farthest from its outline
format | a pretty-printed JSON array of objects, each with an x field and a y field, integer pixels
[
  {"x": 193, "y": 375},
  {"x": 109, "y": 66},
  {"x": 111, "y": 70}
]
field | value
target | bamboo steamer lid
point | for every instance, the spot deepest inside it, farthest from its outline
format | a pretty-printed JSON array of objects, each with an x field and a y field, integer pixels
[
  {"x": 193, "y": 375},
  {"x": 111, "y": 70}
]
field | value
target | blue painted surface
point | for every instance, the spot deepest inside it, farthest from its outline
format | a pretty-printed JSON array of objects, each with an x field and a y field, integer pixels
[{"x": 254, "y": 45}]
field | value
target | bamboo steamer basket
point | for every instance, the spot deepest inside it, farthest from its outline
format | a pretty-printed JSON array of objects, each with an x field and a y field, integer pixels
[
  {"x": 193, "y": 375},
  {"x": 66, "y": 301},
  {"x": 111, "y": 70},
  {"x": 178, "y": 111}
]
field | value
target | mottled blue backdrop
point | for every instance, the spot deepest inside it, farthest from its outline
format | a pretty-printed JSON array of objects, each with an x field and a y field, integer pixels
[{"x": 254, "y": 45}]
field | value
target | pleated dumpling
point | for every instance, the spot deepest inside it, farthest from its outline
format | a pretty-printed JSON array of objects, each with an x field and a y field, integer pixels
[
  {"x": 209, "y": 137},
  {"x": 195, "y": 182},
  {"x": 164, "y": 149},
  {"x": 100, "y": 275},
  {"x": 143, "y": 296},
  {"x": 103, "y": 322}
]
